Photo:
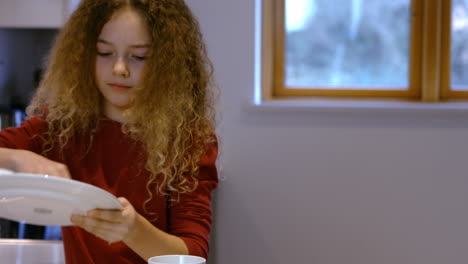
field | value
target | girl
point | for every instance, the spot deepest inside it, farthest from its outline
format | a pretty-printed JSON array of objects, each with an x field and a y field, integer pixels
[{"x": 124, "y": 105}]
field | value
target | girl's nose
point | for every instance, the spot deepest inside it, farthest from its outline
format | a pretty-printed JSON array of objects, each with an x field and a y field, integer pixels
[{"x": 120, "y": 68}]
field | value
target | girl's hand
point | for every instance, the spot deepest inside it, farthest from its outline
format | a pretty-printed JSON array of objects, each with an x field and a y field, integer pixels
[
  {"x": 109, "y": 225},
  {"x": 29, "y": 162}
]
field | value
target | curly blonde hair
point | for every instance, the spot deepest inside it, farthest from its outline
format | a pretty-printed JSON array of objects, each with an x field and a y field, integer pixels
[{"x": 175, "y": 101}]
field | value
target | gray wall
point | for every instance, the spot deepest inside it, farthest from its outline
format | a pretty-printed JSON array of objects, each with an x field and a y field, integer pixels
[{"x": 329, "y": 187}]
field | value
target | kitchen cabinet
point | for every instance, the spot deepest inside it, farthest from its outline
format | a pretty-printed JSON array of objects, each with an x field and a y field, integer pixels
[{"x": 35, "y": 13}]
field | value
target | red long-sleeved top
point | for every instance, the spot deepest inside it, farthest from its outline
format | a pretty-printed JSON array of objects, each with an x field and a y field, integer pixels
[{"x": 115, "y": 163}]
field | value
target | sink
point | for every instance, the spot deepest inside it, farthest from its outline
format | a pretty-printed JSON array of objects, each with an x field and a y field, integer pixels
[{"x": 25, "y": 251}]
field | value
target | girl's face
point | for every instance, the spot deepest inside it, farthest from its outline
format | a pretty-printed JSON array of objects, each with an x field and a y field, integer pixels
[{"x": 122, "y": 48}]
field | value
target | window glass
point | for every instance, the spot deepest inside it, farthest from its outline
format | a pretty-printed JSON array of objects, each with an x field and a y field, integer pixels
[
  {"x": 459, "y": 45},
  {"x": 347, "y": 44}
]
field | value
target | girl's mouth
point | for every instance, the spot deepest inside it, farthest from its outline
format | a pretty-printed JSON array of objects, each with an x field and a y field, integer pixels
[{"x": 118, "y": 85}]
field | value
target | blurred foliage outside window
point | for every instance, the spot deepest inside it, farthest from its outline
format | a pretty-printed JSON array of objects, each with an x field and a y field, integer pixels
[
  {"x": 347, "y": 43},
  {"x": 459, "y": 45}
]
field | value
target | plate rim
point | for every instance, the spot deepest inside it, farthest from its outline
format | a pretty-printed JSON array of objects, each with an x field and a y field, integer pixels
[{"x": 55, "y": 189}]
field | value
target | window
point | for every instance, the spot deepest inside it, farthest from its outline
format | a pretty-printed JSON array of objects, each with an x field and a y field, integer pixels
[{"x": 408, "y": 49}]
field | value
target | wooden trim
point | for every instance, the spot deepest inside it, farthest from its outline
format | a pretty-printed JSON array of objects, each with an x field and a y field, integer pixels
[
  {"x": 457, "y": 94},
  {"x": 415, "y": 52},
  {"x": 344, "y": 93},
  {"x": 268, "y": 49},
  {"x": 279, "y": 46},
  {"x": 431, "y": 51},
  {"x": 446, "y": 61}
]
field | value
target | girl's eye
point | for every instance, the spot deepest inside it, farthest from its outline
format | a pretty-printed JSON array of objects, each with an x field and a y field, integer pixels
[
  {"x": 140, "y": 58},
  {"x": 104, "y": 54}
]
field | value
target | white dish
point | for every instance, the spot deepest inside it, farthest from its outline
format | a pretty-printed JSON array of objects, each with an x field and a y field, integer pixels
[
  {"x": 176, "y": 259},
  {"x": 48, "y": 200}
]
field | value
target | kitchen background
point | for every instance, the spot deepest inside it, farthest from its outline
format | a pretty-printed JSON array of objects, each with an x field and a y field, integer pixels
[
  {"x": 27, "y": 30},
  {"x": 327, "y": 185},
  {"x": 22, "y": 54}
]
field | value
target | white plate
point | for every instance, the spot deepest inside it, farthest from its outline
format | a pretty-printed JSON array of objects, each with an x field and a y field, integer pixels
[{"x": 48, "y": 200}]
